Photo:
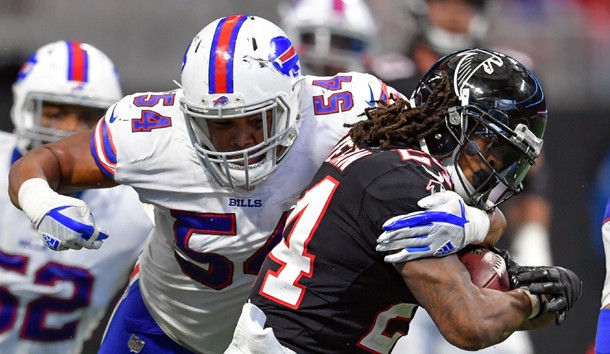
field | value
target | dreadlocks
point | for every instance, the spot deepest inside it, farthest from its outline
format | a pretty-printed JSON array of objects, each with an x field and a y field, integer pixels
[{"x": 399, "y": 124}]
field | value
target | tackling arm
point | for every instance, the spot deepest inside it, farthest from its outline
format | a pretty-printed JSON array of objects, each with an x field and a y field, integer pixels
[{"x": 65, "y": 166}]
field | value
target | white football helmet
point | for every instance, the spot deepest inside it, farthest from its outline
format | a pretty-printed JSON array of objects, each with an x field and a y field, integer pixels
[
  {"x": 235, "y": 67},
  {"x": 444, "y": 41},
  {"x": 62, "y": 72},
  {"x": 330, "y": 35}
]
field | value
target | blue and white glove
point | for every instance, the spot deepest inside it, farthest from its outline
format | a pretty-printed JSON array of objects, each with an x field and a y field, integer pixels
[
  {"x": 445, "y": 227},
  {"x": 64, "y": 222}
]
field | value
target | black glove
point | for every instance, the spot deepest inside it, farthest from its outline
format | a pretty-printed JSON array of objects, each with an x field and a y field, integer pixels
[{"x": 561, "y": 287}]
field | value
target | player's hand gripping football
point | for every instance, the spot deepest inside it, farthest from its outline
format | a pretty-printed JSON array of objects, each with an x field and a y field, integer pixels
[
  {"x": 445, "y": 227},
  {"x": 560, "y": 286},
  {"x": 64, "y": 222}
]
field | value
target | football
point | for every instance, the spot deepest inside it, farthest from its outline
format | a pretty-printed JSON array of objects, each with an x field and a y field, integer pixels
[{"x": 487, "y": 269}]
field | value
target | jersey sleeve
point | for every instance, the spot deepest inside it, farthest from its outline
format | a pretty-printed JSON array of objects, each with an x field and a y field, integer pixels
[
  {"x": 102, "y": 146},
  {"x": 330, "y": 103},
  {"x": 139, "y": 133},
  {"x": 102, "y": 143}
]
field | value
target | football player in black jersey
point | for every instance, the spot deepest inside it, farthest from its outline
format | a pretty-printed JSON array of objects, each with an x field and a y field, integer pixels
[{"x": 476, "y": 124}]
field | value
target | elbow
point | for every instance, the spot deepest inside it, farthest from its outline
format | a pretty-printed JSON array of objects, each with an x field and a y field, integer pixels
[{"x": 468, "y": 335}]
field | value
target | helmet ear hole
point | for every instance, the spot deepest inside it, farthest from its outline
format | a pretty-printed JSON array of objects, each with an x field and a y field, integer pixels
[{"x": 441, "y": 144}]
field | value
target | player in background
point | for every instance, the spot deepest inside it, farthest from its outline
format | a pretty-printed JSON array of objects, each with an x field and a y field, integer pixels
[
  {"x": 51, "y": 301},
  {"x": 222, "y": 158},
  {"x": 330, "y": 36},
  {"x": 602, "y": 338},
  {"x": 331, "y": 287}
]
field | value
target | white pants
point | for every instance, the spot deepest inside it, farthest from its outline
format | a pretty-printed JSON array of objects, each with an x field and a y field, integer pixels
[{"x": 251, "y": 336}]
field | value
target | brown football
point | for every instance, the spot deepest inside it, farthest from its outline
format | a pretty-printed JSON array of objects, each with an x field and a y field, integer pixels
[{"x": 487, "y": 269}]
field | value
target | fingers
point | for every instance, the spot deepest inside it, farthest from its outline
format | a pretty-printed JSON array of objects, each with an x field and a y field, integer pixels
[
  {"x": 400, "y": 241},
  {"x": 556, "y": 304},
  {"x": 536, "y": 274},
  {"x": 406, "y": 255},
  {"x": 423, "y": 218},
  {"x": 410, "y": 220},
  {"x": 546, "y": 288},
  {"x": 560, "y": 317},
  {"x": 404, "y": 233}
]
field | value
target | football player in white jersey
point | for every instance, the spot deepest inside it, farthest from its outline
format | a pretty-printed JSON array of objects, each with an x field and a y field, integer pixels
[
  {"x": 222, "y": 159},
  {"x": 52, "y": 301}
]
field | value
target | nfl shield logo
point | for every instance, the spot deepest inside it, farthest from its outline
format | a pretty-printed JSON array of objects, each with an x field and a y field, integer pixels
[{"x": 135, "y": 344}]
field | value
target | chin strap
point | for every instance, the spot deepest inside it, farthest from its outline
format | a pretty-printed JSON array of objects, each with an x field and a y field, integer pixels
[{"x": 423, "y": 146}]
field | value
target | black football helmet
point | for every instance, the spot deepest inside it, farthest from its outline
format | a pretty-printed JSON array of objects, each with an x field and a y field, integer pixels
[{"x": 500, "y": 119}]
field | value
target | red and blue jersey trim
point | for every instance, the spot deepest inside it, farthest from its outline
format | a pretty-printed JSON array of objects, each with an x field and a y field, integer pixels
[
  {"x": 78, "y": 62},
  {"x": 222, "y": 54},
  {"x": 103, "y": 149}
]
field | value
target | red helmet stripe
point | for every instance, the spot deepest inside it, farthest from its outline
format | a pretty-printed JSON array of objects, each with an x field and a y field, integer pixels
[
  {"x": 77, "y": 62},
  {"x": 222, "y": 54}
]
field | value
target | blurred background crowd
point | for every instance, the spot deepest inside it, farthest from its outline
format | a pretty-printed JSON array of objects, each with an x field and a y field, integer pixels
[{"x": 565, "y": 42}]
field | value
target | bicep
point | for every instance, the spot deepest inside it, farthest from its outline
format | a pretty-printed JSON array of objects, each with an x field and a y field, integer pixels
[
  {"x": 67, "y": 165},
  {"x": 78, "y": 167}
]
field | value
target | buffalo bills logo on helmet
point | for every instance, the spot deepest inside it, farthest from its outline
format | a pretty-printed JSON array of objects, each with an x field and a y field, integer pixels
[
  {"x": 27, "y": 67},
  {"x": 284, "y": 57},
  {"x": 221, "y": 101},
  {"x": 184, "y": 58}
]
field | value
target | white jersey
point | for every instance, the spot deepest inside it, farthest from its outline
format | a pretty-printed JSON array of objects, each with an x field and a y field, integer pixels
[
  {"x": 606, "y": 241},
  {"x": 199, "y": 264},
  {"x": 52, "y": 301}
]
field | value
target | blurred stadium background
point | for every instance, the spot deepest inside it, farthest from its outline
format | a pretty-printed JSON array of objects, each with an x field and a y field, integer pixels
[{"x": 568, "y": 40}]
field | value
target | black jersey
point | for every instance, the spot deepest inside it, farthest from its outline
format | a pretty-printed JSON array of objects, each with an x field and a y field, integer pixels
[{"x": 325, "y": 289}]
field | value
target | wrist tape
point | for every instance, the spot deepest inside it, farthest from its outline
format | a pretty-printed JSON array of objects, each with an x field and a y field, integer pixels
[
  {"x": 35, "y": 199},
  {"x": 535, "y": 300}
]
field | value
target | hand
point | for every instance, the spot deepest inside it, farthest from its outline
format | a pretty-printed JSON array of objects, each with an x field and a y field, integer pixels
[
  {"x": 64, "y": 222},
  {"x": 560, "y": 286},
  {"x": 444, "y": 228}
]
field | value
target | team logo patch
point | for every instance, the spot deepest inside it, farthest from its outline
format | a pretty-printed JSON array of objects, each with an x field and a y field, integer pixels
[
  {"x": 112, "y": 116},
  {"x": 221, "y": 101},
  {"x": 51, "y": 241},
  {"x": 135, "y": 344},
  {"x": 446, "y": 249},
  {"x": 284, "y": 57}
]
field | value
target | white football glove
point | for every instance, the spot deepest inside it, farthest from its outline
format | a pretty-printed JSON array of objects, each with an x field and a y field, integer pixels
[
  {"x": 64, "y": 222},
  {"x": 444, "y": 228}
]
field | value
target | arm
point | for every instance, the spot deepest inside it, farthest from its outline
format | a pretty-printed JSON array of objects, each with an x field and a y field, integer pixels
[
  {"x": 467, "y": 316},
  {"x": 66, "y": 165}
]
